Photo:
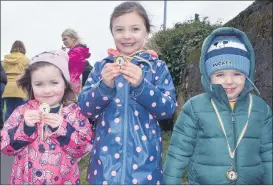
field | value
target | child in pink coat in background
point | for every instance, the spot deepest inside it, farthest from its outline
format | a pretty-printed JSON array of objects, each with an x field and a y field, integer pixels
[{"x": 46, "y": 145}]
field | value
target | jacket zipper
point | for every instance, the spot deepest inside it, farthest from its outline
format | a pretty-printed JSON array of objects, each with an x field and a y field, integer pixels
[
  {"x": 234, "y": 142},
  {"x": 124, "y": 148}
]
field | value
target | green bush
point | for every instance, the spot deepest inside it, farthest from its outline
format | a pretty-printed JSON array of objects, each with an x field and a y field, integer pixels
[{"x": 177, "y": 46}]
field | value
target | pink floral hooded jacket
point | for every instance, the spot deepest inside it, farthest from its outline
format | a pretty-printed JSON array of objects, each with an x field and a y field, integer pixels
[
  {"x": 77, "y": 60},
  {"x": 50, "y": 161}
]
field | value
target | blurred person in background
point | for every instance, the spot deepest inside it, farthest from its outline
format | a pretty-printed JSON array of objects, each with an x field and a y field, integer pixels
[
  {"x": 14, "y": 65},
  {"x": 78, "y": 53}
]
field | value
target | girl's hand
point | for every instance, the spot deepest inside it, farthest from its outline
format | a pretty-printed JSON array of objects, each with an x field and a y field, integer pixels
[
  {"x": 109, "y": 72},
  {"x": 52, "y": 119},
  {"x": 32, "y": 117},
  {"x": 132, "y": 73}
]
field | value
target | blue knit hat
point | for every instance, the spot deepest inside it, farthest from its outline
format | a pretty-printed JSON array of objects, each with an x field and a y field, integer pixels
[{"x": 227, "y": 52}]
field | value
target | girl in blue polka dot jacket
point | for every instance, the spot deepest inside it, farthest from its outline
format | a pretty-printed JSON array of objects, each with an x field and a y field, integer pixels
[{"x": 125, "y": 94}]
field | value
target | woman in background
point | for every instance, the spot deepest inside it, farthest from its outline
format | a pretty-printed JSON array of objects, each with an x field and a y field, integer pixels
[
  {"x": 14, "y": 64},
  {"x": 78, "y": 53}
]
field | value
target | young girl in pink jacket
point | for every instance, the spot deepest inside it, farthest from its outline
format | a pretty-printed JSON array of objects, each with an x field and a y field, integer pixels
[{"x": 47, "y": 134}]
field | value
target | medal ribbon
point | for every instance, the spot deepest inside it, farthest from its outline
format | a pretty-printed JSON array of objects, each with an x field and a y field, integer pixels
[{"x": 232, "y": 153}]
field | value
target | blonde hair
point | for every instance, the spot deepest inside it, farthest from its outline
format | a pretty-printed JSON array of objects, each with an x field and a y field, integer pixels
[{"x": 73, "y": 34}]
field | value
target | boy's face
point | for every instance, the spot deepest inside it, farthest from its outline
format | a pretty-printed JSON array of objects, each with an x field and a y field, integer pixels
[{"x": 233, "y": 82}]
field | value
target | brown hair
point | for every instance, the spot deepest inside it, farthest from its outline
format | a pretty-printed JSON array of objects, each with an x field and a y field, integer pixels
[
  {"x": 24, "y": 82},
  {"x": 18, "y": 46},
  {"x": 128, "y": 7}
]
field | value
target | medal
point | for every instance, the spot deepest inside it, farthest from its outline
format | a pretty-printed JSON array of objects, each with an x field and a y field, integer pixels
[
  {"x": 119, "y": 60},
  {"x": 44, "y": 108},
  {"x": 231, "y": 175}
]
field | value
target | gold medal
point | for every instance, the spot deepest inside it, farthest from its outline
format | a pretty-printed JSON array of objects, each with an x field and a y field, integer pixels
[
  {"x": 231, "y": 175},
  {"x": 44, "y": 108},
  {"x": 119, "y": 60}
]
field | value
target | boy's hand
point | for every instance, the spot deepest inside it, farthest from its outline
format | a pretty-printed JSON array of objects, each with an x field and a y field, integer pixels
[
  {"x": 32, "y": 117},
  {"x": 132, "y": 73},
  {"x": 109, "y": 72},
  {"x": 52, "y": 119}
]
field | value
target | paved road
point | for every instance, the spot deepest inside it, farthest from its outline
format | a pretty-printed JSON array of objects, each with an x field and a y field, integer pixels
[{"x": 6, "y": 164}]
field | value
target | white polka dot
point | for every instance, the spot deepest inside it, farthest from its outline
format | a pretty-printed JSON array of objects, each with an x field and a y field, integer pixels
[
  {"x": 141, "y": 65},
  {"x": 96, "y": 116},
  {"x": 87, "y": 104},
  {"x": 95, "y": 172},
  {"x": 153, "y": 131},
  {"x": 152, "y": 92},
  {"x": 147, "y": 125},
  {"x": 103, "y": 123},
  {"x": 116, "y": 120},
  {"x": 167, "y": 93},
  {"x": 151, "y": 158},
  {"x": 134, "y": 181},
  {"x": 163, "y": 114},
  {"x": 135, "y": 166},
  {"x": 158, "y": 64},
  {"x": 104, "y": 148},
  {"x": 153, "y": 71},
  {"x": 156, "y": 77},
  {"x": 89, "y": 79},
  {"x": 119, "y": 105},
  {"x": 138, "y": 149},
  {"x": 150, "y": 116},
  {"x": 93, "y": 94},
  {"x": 117, "y": 100},
  {"x": 98, "y": 138},
  {"x": 109, "y": 130},
  {"x": 88, "y": 176},
  {"x": 158, "y": 182},
  {"x": 136, "y": 127},
  {"x": 120, "y": 84},
  {"x": 97, "y": 107},
  {"x": 166, "y": 81},
  {"x": 89, "y": 113},
  {"x": 159, "y": 138},
  {"x": 136, "y": 113},
  {"x": 156, "y": 147},
  {"x": 153, "y": 104},
  {"x": 94, "y": 151},
  {"x": 163, "y": 100},
  {"x": 149, "y": 177},
  {"x": 105, "y": 98},
  {"x": 117, "y": 155},
  {"x": 99, "y": 162},
  {"x": 104, "y": 183},
  {"x": 113, "y": 173},
  {"x": 117, "y": 139},
  {"x": 144, "y": 138}
]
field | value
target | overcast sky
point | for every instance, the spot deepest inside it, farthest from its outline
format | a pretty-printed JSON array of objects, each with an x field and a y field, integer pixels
[{"x": 39, "y": 24}]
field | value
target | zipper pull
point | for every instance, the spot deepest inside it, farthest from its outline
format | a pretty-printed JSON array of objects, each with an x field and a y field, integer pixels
[{"x": 232, "y": 117}]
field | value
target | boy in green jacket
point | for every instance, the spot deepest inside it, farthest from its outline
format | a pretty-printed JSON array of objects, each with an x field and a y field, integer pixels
[{"x": 223, "y": 136}]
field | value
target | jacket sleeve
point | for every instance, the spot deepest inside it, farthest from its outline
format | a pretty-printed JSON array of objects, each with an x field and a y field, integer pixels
[
  {"x": 3, "y": 75},
  {"x": 158, "y": 98},
  {"x": 76, "y": 61},
  {"x": 266, "y": 147},
  {"x": 95, "y": 94},
  {"x": 14, "y": 135},
  {"x": 181, "y": 146},
  {"x": 74, "y": 135}
]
